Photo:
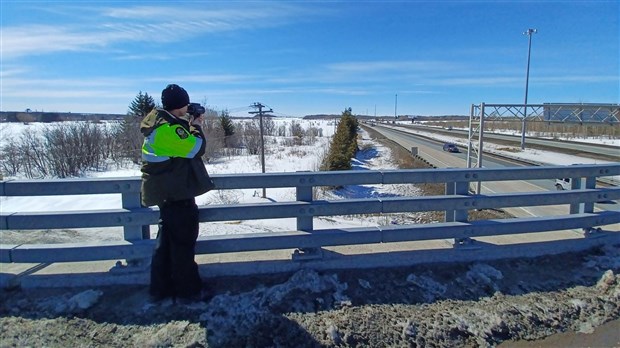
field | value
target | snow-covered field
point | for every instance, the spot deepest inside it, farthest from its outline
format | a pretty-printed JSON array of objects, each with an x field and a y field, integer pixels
[{"x": 279, "y": 158}]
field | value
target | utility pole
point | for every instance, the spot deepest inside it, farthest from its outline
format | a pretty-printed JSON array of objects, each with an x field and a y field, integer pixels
[
  {"x": 529, "y": 33},
  {"x": 260, "y": 113}
]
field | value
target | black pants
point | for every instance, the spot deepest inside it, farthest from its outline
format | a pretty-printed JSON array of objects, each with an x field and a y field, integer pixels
[{"x": 173, "y": 269}]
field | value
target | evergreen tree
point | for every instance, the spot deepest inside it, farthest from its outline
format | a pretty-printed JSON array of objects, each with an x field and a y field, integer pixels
[
  {"x": 344, "y": 143},
  {"x": 141, "y": 105},
  {"x": 227, "y": 124},
  {"x": 130, "y": 138},
  {"x": 228, "y": 127}
]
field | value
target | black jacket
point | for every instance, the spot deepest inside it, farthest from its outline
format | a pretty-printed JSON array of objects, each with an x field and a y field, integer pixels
[{"x": 172, "y": 178}]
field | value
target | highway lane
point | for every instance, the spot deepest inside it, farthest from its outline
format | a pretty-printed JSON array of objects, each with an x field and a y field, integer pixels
[
  {"x": 610, "y": 152},
  {"x": 432, "y": 151}
]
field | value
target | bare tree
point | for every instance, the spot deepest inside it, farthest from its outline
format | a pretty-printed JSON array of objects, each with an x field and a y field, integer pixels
[
  {"x": 74, "y": 148},
  {"x": 269, "y": 126},
  {"x": 131, "y": 139},
  {"x": 251, "y": 138},
  {"x": 214, "y": 134},
  {"x": 281, "y": 131},
  {"x": 111, "y": 143},
  {"x": 297, "y": 132},
  {"x": 312, "y": 133},
  {"x": 32, "y": 155},
  {"x": 11, "y": 161},
  {"x": 61, "y": 150}
]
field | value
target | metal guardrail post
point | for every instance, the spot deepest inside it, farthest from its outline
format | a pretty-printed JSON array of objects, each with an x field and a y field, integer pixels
[
  {"x": 457, "y": 188},
  {"x": 132, "y": 200},
  {"x": 461, "y": 188},
  {"x": 589, "y": 184},
  {"x": 304, "y": 194},
  {"x": 304, "y": 223},
  {"x": 133, "y": 232},
  {"x": 590, "y": 232},
  {"x": 461, "y": 215},
  {"x": 575, "y": 184},
  {"x": 450, "y": 189}
]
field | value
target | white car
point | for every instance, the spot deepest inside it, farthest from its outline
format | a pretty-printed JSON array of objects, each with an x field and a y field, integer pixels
[{"x": 562, "y": 184}]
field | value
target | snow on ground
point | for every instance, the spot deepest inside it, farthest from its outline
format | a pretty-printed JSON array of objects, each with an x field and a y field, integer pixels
[
  {"x": 291, "y": 159},
  {"x": 279, "y": 158}
]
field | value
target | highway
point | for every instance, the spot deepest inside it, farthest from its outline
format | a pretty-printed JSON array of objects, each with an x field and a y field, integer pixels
[
  {"x": 607, "y": 152},
  {"x": 432, "y": 152}
]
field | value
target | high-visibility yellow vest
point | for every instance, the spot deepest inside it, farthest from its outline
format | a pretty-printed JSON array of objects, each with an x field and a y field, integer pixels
[{"x": 170, "y": 140}]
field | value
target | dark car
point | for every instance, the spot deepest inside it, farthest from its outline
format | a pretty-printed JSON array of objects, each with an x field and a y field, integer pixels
[{"x": 450, "y": 147}]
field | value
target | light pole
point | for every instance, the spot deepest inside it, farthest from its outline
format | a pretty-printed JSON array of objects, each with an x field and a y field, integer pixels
[
  {"x": 529, "y": 33},
  {"x": 395, "y": 107}
]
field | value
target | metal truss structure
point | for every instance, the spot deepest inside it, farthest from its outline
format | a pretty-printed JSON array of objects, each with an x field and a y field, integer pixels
[{"x": 548, "y": 112}]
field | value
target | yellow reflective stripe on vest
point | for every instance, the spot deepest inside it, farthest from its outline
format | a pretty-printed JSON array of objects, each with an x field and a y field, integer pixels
[{"x": 170, "y": 141}]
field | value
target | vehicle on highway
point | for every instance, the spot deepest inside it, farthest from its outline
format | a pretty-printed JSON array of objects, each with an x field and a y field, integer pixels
[
  {"x": 562, "y": 184},
  {"x": 450, "y": 147}
]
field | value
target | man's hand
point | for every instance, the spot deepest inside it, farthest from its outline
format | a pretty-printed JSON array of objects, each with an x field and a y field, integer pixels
[{"x": 197, "y": 120}]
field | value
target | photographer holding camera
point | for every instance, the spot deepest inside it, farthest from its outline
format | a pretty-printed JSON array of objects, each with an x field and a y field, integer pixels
[{"x": 173, "y": 174}]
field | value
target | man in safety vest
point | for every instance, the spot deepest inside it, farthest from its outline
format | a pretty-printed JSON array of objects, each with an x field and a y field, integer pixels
[{"x": 173, "y": 174}]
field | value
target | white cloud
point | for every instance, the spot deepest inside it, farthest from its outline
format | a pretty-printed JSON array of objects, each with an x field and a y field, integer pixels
[
  {"x": 20, "y": 81},
  {"x": 92, "y": 94},
  {"x": 10, "y": 71},
  {"x": 396, "y": 66},
  {"x": 41, "y": 39},
  {"x": 518, "y": 80},
  {"x": 160, "y": 56},
  {"x": 576, "y": 78},
  {"x": 109, "y": 26}
]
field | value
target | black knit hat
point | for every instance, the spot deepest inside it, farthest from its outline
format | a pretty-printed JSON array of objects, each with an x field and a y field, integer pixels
[{"x": 174, "y": 97}]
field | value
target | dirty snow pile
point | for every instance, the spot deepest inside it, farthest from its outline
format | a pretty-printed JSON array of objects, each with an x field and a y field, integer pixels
[
  {"x": 229, "y": 318},
  {"x": 475, "y": 305}
]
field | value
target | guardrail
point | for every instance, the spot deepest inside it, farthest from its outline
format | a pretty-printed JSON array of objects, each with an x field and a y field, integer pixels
[{"x": 456, "y": 202}]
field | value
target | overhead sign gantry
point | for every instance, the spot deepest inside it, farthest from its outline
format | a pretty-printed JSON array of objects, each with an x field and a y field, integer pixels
[{"x": 548, "y": 112}]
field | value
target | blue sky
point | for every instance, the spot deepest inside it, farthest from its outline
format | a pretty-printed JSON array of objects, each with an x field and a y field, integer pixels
[{"x": 308, "y": 57}]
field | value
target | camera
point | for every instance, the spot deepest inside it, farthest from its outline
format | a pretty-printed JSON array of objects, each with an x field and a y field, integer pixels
[{"x": 195, "y": 109}]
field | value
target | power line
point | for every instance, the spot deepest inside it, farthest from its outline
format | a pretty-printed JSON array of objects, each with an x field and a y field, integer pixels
[{"x": 240, "y": 108}]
